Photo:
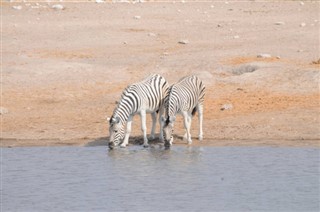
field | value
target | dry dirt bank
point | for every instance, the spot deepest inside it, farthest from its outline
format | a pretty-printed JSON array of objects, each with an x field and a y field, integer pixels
[{"x": 62, "y": 70}]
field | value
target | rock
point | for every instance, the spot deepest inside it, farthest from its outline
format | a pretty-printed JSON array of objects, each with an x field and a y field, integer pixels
[
  {"x": 226, "y": 107},
  {"x": 301, "y": 3},
  {"x": 236, "y": 36},
  {"x": 58, "y": 7},
  {"x": 3, "y": 110},
  {"x": 137, "y": 17},
  {"x": 183, "y": 42},
  {"x": 245, "y": 69},
  {"x": 99, "y": 1},
  {"x": 316, "y": 62},
  {"x": 263, "y": 55},
  {"x": 151, "y": 34},
  {"x": 302, "y": 24},
  {"x": 19, "y": 7},
  {"x": 280, "y": 23}
]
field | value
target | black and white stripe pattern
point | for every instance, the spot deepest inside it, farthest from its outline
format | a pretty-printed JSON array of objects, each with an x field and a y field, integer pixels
[
  {"x": 144, "y": 97},
  {"x": 185, "y": 97}
]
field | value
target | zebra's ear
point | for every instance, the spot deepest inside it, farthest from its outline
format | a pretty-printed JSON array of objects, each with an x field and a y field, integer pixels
[{"x": 116, "y": 120}]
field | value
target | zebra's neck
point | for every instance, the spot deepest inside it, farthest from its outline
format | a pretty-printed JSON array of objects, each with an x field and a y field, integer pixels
[
  {"x": 123, "y": 112},
  {"x": 173, "y": 106}
]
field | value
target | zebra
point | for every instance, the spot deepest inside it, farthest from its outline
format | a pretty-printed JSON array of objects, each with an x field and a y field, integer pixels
[
  {"x": 185, "y": 97},
  {"x": 143, "y": 97}
]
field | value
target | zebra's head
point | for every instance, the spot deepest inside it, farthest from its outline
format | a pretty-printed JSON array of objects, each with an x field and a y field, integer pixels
[
  {"x": 168, "y": 130},
  {"x": 116, "y": 132}
]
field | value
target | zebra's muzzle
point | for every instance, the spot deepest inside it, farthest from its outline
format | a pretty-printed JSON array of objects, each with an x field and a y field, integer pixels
[{"x": 111, "y": 145}]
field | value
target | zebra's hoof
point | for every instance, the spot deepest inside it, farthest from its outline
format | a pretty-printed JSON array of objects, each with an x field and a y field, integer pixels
[
  {"x": 200, "y": 137},
  {"x": 190, "y": 142},
  {"x": 145, "y": 145},
  {"x": 123, "y": 146}
]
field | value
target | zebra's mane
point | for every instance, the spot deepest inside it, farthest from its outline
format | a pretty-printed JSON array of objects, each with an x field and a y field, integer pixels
[
  {"x": 125, "y": 91},
  {"x": 167, "y": 102}
]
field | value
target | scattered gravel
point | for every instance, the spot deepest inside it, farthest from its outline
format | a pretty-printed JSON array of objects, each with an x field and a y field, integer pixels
[
  {"x": 19, "y": 7},
  {"x": 3, "y": 110},
  {"x": 183, "y": 42},
  {"x": 58, "y": 7},
  {"x": 263, "y": 55},
  {"x": 226, "y": 107}
]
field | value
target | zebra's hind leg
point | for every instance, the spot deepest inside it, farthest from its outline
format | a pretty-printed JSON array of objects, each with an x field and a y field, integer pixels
[
  {"x": 144, "y": 128},
  {"x": 128, "y": 131},
  {"x": 200, "y": 115},
  {"x": 187, "y": 124},
  {"x": 161, "y": 138},
  {"x": 154, "y": 122}
]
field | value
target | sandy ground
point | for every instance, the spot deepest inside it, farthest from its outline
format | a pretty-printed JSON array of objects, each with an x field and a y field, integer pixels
[{"x": 63, "y": 70}]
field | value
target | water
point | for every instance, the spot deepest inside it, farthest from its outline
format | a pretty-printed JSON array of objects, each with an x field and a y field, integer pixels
[{"x": 154, "y": 179}]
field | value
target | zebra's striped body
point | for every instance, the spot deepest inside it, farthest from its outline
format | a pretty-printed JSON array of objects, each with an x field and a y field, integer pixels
[
  {"x": 144, "y": 97},
  {"x": 185, "y": 97}
]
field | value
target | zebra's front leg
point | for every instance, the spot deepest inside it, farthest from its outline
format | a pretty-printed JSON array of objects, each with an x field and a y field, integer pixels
[
  {"x": 144, "y": 128},
  {"x": 187, "y": 126},
  {"x": 161, "y": 125},
  {"x": 154, "y": 122},
  {"x": 200, "y": 115},
  {"x": 128, "y": 132}
]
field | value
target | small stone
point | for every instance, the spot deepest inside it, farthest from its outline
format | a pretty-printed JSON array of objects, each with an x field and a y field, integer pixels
[
  {"x": 226, "y": 107},
  {"x": 3, "y": 110},
  {"x": 212, "y": 6},
  {"x": 99, "y": 1},
  {"x": 302, "y": 24},
  {"x": 137, "y": 17},
  {"x": 19, "y": 7},
  {"x": 151, "y": 34},
  {"x": 57, "y": 7},
  {"x": 279, "y": 23},
  {"x": 219, "y": 25},
  {"x": 236, "y": 36},
  {"x": 183, "y": 42},
  {"x": 301, "y": 3},
  {"x": 278, "y": 57},
  {"x": 263, "y": 55}
]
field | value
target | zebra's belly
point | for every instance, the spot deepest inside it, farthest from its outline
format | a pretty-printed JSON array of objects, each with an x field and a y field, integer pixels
[{"x": 147, "y": 110}]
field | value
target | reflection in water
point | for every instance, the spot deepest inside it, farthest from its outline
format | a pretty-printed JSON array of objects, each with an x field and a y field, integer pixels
[{"x": 155, "y": 179}]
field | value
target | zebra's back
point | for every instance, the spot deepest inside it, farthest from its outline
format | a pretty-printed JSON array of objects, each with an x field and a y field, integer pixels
[
  {"x": 187, "y": 93},
  {"x": 148, "y": 94}
]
